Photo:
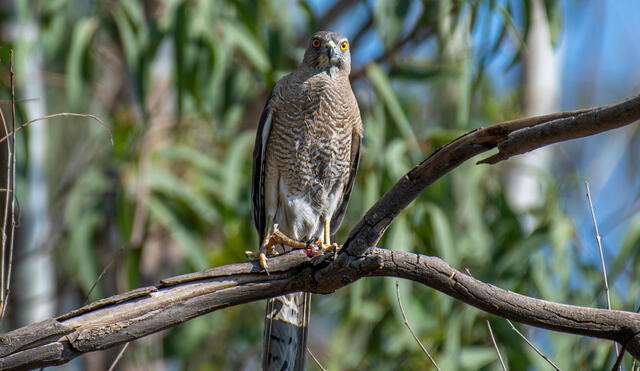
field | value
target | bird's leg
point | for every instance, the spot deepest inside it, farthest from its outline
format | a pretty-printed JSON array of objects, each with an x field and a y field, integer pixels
[
  {"x": 327, "y": 231},
  {"x": 325, "y": 244},
  {"x": 267, "y": 248}
]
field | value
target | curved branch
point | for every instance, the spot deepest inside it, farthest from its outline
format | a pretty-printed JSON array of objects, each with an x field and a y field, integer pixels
[
  {"x": 620, "y": 326},
  {"x": 129, "y": 316},
  {"x": 564, "y": 126}
]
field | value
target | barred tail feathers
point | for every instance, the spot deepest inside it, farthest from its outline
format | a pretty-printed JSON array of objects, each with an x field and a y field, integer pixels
[{"x": 285, "y": 332}]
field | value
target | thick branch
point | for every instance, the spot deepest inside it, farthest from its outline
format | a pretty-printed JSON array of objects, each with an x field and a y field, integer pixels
[
  {"x": 135, "y": 314},
  {"x": 580, "y": 125},
  {"x": 139, "y": 313}
]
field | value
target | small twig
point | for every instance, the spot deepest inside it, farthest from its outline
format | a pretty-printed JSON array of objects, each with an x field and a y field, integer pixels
[
  {"x": 95, "y": 283},
  {"x": 406, "y": 323},
  {"x": 24, "y": 100},
  {"x": 12, "y": 183},
  {"x": 618, "y": 363},
  {"x": 9, "y": 198},
  {"x": 115, "y": 361},
  {"x": 63, "y": 114},
  {"x": 4, "y": 221},
  {"x": 534, "y": 347},
  {"x": 495, "y": 345},
  {"x": 315, "y": 359},
  {"x": 599, "y": 241}
]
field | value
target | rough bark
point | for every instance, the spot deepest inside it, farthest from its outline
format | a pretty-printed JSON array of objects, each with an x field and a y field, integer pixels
[{"x": 138, "y": 313}]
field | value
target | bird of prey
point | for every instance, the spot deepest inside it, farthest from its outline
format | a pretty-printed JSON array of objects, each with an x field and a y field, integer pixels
[{"x": 305, "y": 160}]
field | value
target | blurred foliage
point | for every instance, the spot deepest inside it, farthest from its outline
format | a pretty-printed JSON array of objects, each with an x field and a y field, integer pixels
[{"x": 182, "y": 84}]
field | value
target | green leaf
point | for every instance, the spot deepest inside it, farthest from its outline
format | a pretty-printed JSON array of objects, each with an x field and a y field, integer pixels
[
  {"x": 164, "y": 182},
  {"x": 127, "y": 36},
  {"x": 443, "y": 238},
  {"x": 474, "y": 358},
  {"x": 80, "y": 40},
  {"x": 383, "y": 86},
  {"x": 252, "y": 48},
  {"x": 628, "y": 247},
  {"x": 187, "y": 238},
  {"x": 238, "y": 153}
]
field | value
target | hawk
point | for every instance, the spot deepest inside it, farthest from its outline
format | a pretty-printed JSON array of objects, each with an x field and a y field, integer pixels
[{"x": 305, "y": 160}]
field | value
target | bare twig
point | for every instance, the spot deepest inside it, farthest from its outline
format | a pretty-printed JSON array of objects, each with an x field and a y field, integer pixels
[
  {"x": 534, "y": 347},
  {"x": 115, "y": 361},
  {"x": 8, "y": 221},
  {"x": 599, "y": 241},
  {"x": 13, "y": 184},
  {"x": 618, "y": 363},
  {"x": 495, "y": 345},
  {"x": 95, "y": 283},
  {"x": 315, "y": 359},
  {"x": 63, "y": 114},
  {"x": 4, "y": 222},
  {"x": 104, "y": 271},
  {"x": 415, "y": 337}
]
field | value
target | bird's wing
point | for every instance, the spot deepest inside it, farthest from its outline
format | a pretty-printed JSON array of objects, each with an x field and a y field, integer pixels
[
  {"x": 257, "y": 184},
  {"x": 336, "y": 220}
]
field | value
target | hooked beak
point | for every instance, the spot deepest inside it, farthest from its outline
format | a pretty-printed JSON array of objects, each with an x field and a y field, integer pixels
[{"x": 331, "y": 49}]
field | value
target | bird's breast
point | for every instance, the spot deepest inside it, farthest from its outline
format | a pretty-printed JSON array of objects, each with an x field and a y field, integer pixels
[{"x": 311, "y": 134}]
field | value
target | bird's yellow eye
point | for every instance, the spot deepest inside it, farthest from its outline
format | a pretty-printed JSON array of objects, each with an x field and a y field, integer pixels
[
  {"x": 315, "y": 43},
  {"x": 344, "y": 45}
]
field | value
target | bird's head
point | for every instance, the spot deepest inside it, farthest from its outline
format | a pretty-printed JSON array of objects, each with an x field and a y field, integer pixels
[{"x": 328, "y": 51}]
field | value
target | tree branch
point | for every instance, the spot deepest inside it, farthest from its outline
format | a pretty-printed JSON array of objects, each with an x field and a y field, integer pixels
[
  {"x": 129, "y": 316},
  {"x": 578, "y": 123}
]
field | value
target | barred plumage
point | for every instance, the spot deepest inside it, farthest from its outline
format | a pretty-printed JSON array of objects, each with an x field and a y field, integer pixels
[{"x": 305, "y": 159}]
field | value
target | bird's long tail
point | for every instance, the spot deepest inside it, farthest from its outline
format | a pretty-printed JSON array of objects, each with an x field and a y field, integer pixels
[{"x": 285, "y": 332}]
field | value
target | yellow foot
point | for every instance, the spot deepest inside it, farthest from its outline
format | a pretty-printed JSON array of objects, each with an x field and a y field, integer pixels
[
  {"x": 262, "y": 257},
  {"x": 268, "y": 247},
  {"x": 327, "y": 247}
]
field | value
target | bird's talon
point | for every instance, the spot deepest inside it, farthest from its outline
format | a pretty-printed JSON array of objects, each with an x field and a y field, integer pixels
[
  {"x": 334, "y": 247},
  {"x": 311, "y": 243},
  {"x": 263, "y": 262}
]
